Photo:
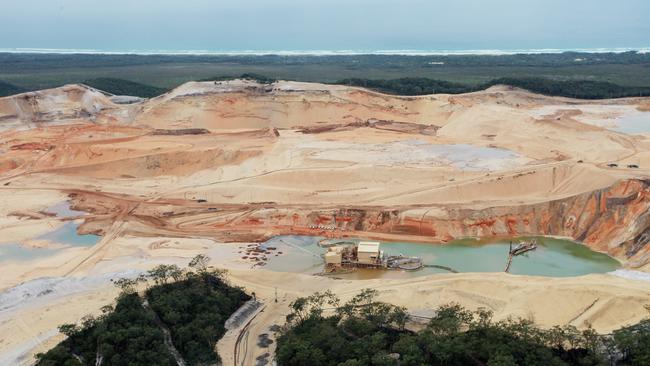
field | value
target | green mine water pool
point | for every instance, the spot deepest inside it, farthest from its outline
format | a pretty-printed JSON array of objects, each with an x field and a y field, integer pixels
[{"x": 553, "y": 257}]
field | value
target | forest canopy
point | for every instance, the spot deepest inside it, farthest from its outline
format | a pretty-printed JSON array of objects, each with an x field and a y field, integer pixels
[
  {"x": 180, "y": 314},
  {"x": 363, "y": 331},
  {"x": 582, "y": 89},
  {"x": 572, "y": 74}
]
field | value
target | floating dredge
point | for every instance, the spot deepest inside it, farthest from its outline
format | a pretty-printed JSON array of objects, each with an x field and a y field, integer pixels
[{"x": 366, "y": 254}]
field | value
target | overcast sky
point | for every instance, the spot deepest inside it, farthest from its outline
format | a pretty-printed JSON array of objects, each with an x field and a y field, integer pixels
[{"x": 235, "y": 25}]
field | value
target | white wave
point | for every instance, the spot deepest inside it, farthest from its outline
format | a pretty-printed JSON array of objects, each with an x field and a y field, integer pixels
[
  {"x": 405, "y": 52},
  {"x": 632, "y": 275}
]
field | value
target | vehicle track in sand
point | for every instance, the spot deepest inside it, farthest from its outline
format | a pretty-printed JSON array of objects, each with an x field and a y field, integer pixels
[
  {"x": 456, "y": 183},
  {"x": 100, "y": 248}
]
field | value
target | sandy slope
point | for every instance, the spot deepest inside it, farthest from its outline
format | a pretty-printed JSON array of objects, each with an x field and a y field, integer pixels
[{"x": 281, "y": 158}]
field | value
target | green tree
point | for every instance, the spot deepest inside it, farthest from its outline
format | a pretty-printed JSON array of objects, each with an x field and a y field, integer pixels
[
  {"x": 502, "y": 358},
  {"x": 200, "y": 263}
]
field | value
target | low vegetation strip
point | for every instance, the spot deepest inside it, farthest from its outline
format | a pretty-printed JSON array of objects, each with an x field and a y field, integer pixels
[
  {"x": 246, "y": 76},
  {"x": 9, "y": 89},
  {"x": 192, "y": 306},
  {"x": 124, "y": 87},
  {"x": 408, "y": 86},
  {"x": 367, "y": 332},
  {"x": 582, "y": 89}
]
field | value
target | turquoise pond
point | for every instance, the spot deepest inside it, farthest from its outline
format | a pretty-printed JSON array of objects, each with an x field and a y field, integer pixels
[
  {"x": 17, "y": 252},
  {"x": 553, "y": 257},
  {"x": 65, "y": 235}
]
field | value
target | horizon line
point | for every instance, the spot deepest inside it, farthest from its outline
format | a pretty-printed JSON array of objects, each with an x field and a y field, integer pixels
[{"x": 407, "y": 52}]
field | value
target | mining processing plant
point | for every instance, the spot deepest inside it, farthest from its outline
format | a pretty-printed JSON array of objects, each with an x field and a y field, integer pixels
[{"x": 366, "y": 254}]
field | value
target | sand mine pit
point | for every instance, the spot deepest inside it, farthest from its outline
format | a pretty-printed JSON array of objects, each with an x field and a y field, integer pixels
[{"x": 255, "y": 175}]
